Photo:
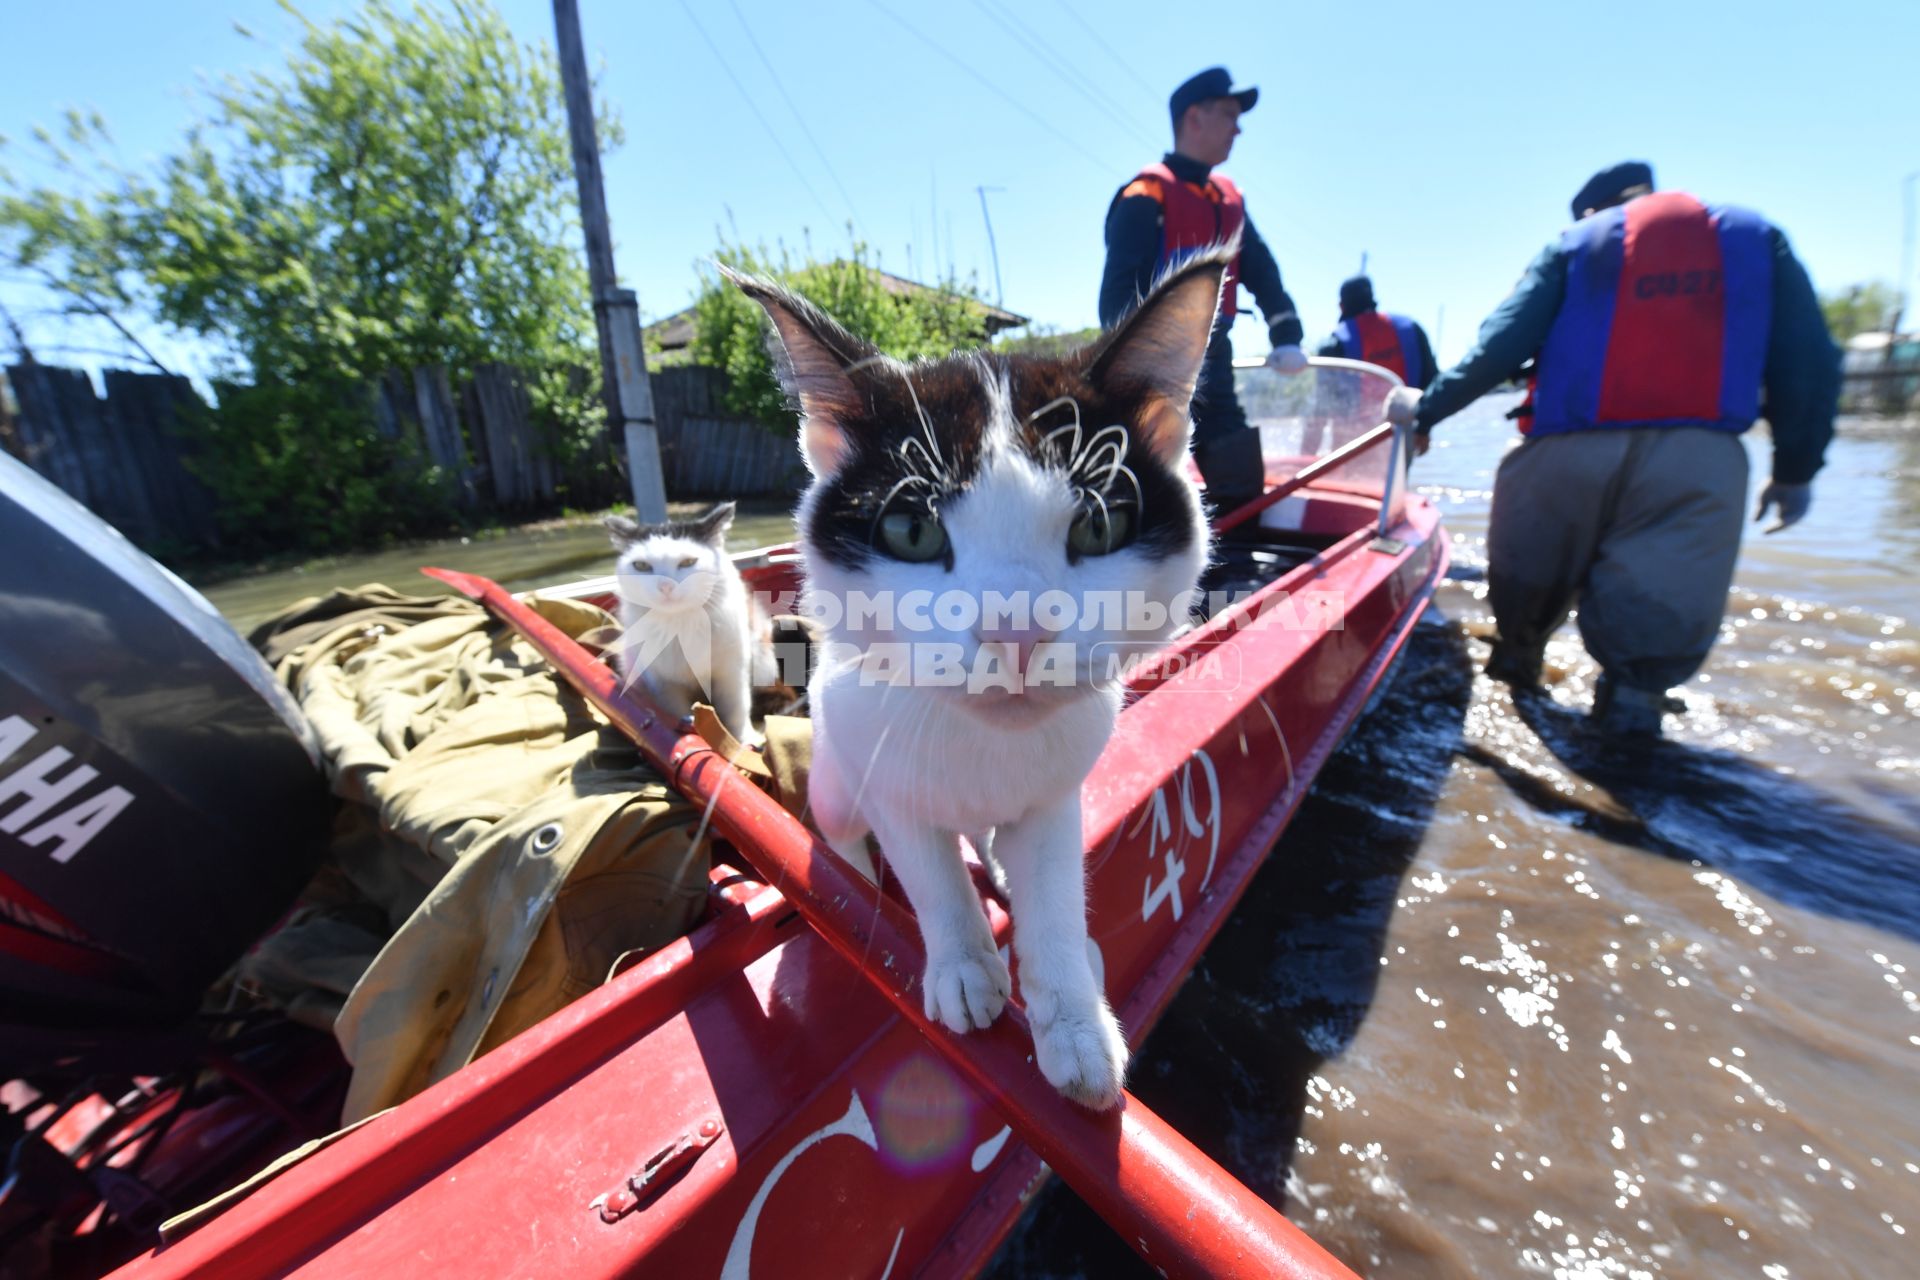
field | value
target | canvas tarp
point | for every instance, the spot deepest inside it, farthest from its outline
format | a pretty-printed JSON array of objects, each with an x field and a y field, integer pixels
[{"x": 499, "y": 848}]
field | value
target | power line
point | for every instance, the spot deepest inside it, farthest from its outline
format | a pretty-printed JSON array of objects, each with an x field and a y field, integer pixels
[
  {"x": 1118, "y": 61},
  {"x": 751, "y": 106},
  {"x": 1057, "y": 63},
  {"x": 997, "y": 91},
  {"x": 798, "y": 118}
]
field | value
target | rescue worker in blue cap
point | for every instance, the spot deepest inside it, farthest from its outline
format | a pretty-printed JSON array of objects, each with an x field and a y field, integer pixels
[
  {"x": 1365, "y": 332},
  {"x": 1174, "y": 208},
  {"x": 1658, "y": 329}
]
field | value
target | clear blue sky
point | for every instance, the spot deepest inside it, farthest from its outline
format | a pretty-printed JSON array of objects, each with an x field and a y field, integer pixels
[{"x": 1443, "y": 139}]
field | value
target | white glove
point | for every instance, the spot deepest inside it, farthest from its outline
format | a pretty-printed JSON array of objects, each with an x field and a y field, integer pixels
[
  {"x": 1287, "y": 359},
  {"x": 1403, "y": 404}
]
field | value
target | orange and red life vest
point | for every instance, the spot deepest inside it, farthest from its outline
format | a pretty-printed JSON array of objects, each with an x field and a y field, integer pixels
[{"x": 1193, "y": 217}]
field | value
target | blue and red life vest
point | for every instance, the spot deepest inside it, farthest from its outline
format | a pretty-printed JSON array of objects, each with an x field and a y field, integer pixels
[
  {"x": 1386, "y": 340},
  {"x": 1665, "y": 320},
  {"x": 1193, "y": 218}
]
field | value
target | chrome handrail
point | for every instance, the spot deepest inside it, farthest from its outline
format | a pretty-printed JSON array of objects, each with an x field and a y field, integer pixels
[{"x": 1396, "y": 461}]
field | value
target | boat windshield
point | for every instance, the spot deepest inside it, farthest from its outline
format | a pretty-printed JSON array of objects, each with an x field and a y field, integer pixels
[{"x": 1305, "y": 416}]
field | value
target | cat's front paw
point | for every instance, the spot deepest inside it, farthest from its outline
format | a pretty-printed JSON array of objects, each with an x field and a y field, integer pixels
[
  {"x": 966, "y": 989},
  {"x": 1083, "y": 1054}
]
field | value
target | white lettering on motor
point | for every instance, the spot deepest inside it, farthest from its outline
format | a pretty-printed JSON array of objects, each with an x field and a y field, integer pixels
[{"x": 42, "y": 795}]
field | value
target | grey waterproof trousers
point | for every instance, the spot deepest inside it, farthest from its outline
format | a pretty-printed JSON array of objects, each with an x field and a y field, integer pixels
[{"x": 1639, "y": 526}]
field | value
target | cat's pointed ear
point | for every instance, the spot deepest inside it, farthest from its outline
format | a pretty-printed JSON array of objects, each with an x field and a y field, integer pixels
[
  {"x": 815, "y": 358},
  {"x": 623, "y": 531},
  {"x": 1153, "y": 356},
  {"x": 712, "y": 527}
]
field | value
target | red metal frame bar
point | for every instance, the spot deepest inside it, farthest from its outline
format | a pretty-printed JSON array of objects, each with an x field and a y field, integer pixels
[
  {"x": 1305, "y": 476},
  {"x": 1184, "y": 1214}
]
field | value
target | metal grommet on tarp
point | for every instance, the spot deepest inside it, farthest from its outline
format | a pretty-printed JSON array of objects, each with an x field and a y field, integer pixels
[{"x": 547, "y": 838}]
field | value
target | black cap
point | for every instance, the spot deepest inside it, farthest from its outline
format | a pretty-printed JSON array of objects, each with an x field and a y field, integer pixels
[
  {"x": 1605, "y": 188},
  {"x": 1214, "y": 82},
  {"x": 1356, "y": 296}
]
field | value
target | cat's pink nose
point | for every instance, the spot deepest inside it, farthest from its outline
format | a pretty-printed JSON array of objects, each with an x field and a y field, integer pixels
[{"x": 1017, "y": 642}]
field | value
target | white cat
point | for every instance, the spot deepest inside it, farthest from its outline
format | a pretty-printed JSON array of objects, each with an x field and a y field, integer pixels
[
  {"x": 995, "y": 480},
  {"x": 685, "y": 617}
]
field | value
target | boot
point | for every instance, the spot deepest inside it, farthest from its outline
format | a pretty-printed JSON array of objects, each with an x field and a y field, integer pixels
[
  {"x": 1518, "y": 667},
  {"x": 1622, "y": 711}
]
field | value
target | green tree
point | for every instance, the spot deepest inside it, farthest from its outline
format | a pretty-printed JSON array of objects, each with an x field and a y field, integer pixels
[
  {"x": 1860, "y": 308},
  {"x": 900, "y": 320},
  {"x": 399, "y": 194},
  {"x": 1044, "y": 341}
]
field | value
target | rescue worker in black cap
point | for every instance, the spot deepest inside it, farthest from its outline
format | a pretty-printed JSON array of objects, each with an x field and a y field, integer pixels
[
  {"x": 1367, "y": 333},
  {"x": 1172, "y": 209},
  {"x": 1659, "y": 329}
]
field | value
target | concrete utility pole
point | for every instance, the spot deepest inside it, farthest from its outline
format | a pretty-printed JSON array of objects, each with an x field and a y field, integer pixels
[
  {"x": 999, "y": 294},
  {"x": 616, "y": 311}
]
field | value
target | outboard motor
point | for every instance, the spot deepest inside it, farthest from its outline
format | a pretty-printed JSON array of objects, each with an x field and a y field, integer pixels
[{"x": 161, "y": 800}]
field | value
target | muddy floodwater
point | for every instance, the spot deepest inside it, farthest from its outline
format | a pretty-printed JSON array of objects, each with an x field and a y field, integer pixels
[
  {"x": 520, "y": 559},
  {"x": 1506, "y": 1003}
]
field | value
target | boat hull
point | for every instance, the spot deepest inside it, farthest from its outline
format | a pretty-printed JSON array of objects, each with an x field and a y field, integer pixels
[{"x": 779, "y": 1118}]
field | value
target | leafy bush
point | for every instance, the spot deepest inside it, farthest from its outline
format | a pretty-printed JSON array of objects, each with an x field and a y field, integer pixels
[
  {"x": 1040, "y": 340},
  {"x": 399, "y": 194},
  {"x": 1862, "y": 308},
  {"x": 730, "y": 330},
  {"x": 298, "y": 464}
]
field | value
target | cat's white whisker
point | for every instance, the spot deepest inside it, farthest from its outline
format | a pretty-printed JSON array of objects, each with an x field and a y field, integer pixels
[
  {"x": 1053, "y": 404},
  {"x": 1066, "y": 453},
  {"x": 926, "y": 423},
  {"x": 904, "y": 482}
]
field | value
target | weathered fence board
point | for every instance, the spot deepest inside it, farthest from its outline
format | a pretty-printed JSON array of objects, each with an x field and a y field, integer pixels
[
  {"x": 498, "y": 404},
  {"x": 154, "y": 412},
  {"x": 48, "y": 443},
  {"x": 440, "y": 425},
  {"x": 121, "y": 456},
  {"x": 706, "y": 451}
]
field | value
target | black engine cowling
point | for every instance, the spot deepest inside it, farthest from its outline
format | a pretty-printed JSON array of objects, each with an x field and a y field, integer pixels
[{"x": 161, "y": 801}]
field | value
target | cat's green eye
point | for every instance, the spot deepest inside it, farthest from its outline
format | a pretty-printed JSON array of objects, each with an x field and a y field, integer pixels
[
  {"x": 1099, "y": 531},
  {"x": 642, "y": 566},
  {"x": 912, "y": 537},
  {"x": 689, "y": 562}
]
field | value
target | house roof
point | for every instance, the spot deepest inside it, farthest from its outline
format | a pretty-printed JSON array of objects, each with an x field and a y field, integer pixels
[{"x": 675, "y": 332}]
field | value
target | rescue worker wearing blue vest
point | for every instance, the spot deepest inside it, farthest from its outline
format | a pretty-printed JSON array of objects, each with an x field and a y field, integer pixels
[
  {"x": 1659, "y": 329},
  {"x": 1367, "y": 333},
  {"x": 1178, "y": 206}
]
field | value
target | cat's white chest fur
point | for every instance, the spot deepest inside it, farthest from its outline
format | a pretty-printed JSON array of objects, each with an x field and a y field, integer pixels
[{"x": 921, "y": 752}]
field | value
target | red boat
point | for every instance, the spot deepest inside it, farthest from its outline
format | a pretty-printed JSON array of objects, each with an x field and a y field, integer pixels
[{"x": 763, "y": 1098}]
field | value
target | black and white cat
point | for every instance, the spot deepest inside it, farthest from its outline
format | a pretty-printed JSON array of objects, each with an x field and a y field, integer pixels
[
  {"x": 994, "y": 478},
  {"x": 685, "y": 617}
]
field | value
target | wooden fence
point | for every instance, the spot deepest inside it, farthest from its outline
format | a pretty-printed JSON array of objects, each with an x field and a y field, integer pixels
[
  {"x": 128, "y": 455},
  {"x": 123, "y": 456},
  {"x": 708, "y": 451}
]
